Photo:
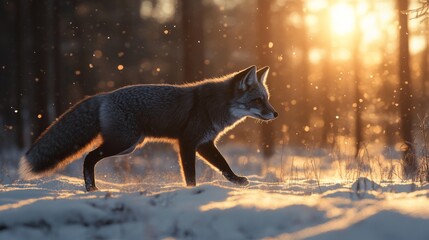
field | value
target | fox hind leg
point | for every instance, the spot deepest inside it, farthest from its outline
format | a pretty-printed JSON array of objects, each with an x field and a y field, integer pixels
[
  {"x": 88, "y": 167},
  {"x": 107, "y": 149},
  {"x": 121, "y": 134}
]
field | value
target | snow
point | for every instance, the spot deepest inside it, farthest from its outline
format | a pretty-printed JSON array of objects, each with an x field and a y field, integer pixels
[
  {"x": 58, "y": 208},
  {"x": 290, "y": 200}
]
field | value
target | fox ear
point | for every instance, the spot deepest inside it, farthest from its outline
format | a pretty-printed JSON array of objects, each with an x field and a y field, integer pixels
[
  {"x": 246, "y": 78},
  {"x": 262, "y": 74}
]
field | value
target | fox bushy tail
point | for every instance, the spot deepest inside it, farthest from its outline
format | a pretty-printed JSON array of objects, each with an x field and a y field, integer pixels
[{"x": 65, "y": 140}]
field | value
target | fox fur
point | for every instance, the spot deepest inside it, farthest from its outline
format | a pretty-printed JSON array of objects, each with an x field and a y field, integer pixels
[{"x": 117, "y": 122}]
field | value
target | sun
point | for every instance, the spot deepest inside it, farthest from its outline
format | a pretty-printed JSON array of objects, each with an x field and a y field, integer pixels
[{"x": 342, "y": 18}]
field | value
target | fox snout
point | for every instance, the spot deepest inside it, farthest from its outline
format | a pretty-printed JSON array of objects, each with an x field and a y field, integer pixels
[{"x": 269, "y": 112}]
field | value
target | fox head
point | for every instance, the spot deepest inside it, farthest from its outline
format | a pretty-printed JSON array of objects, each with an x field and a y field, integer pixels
[{"x": 251, "y": 95}]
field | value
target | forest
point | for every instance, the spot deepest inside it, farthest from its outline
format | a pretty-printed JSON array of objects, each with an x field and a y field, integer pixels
[
  {"x": 344, "y": 74},
  {"x": 346, "y": 158}
]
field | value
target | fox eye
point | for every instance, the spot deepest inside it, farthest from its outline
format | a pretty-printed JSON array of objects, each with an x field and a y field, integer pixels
[{"x": 257, "y": 101}]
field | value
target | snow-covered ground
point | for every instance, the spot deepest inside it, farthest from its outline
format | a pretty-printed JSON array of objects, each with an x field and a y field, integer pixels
[
  {"x": 58, "y": 208},
  {"x": 159, "y": 207}
]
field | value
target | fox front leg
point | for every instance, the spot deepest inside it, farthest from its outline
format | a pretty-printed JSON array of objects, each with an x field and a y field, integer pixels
[
  {"x": 187, "y": 160},
  {"x": 209, "y": 152}
]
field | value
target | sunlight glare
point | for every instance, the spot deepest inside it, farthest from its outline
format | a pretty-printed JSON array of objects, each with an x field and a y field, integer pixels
[
  {"x": 371, "y": 31},
  {"x": 417, "y": 44},
  {"x": 315, "y": 5},
  {"x": 163, "y": 11},
  {"x": 342, "y": 19},
  {"x": 256, "y": 199},
  {"x": 315, "y": 55}
]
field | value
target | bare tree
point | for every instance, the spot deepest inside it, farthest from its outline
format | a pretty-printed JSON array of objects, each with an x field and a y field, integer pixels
[
  {"x": 58, "y": 92},
  {"x": 25, "y": 70},
  {"x": 39, "y": 83},
  {"x": 305, "y": 72},
  {"x": 263, "y": 40},
  {"x": 193, "y": 40},
  {"x": 328, "y": 106},
  {"x": 18, "y": 69},
  {"x": 357, "y": 82},
  {"x": 303, "y": 109},
  {"x": 425, "y": 74},
  {"x": 51, "y": 49},
  {"x": 420, "y": 12},
  {"x": 406, "y": 95}
]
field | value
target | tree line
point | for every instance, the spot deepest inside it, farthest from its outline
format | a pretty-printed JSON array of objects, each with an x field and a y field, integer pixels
[{"x": 53, "y": 53}]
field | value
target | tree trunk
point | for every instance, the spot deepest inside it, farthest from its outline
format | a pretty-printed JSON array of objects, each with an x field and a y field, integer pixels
[
  {"x": 39, "y": 113},
  {"x": 357, "y": 81},
  {"x": 87, "y": 77},
  {"x": 405, "y": 97},
  {"x": 304, "y": 99},
  {"x": 51, "y": 65},
  {"x": 58, "y": 88},
  {"x": 18, "y": 74},
  {"x": 193, "y": 40},
  {"x": 425, "y": 74},
  {"x": 328, "y": 106},
  {"x": 264, "y": 59},
  {"x": 25, "y": 69}
]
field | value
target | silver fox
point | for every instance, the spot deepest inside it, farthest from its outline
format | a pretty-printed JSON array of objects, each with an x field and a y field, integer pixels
[{"x": 116, "y": 123}]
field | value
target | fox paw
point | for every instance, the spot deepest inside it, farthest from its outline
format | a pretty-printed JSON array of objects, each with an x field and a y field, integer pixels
[
  {"x": 91, "y": 188},
  {"x": 191, "y": 184},
  {"x": 242, "y": 181}
]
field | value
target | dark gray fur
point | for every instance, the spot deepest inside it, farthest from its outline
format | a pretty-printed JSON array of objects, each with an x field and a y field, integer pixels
[
  {"x": 66, "y": 136},
  {"x": 194, "y": 115}
]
